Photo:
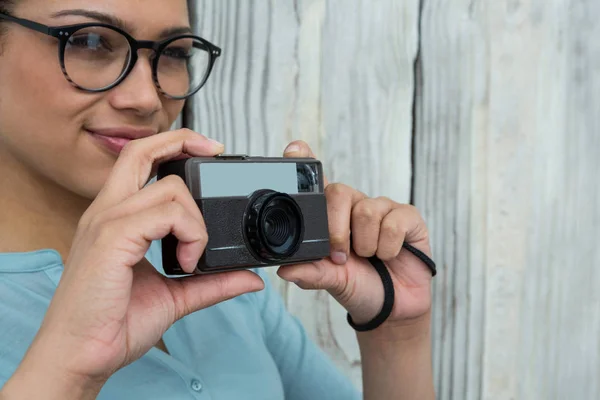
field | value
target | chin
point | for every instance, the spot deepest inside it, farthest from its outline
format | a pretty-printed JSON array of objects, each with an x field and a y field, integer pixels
[
  {"x": 87, "y": 186},
  {"x": 86, "y": 191}
]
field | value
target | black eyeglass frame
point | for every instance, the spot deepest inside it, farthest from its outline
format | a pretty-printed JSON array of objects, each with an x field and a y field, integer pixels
[{"x": 63, "y": 33}]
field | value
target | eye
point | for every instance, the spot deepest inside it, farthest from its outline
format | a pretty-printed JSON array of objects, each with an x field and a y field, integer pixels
[
  {"x": 90, "y": 41},
  {"x": 178, "y": 53}
]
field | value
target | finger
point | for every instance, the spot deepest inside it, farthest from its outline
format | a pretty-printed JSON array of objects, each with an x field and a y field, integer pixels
[
  {"x": 340, "y": 201},
  {"x": 170, "y": 188},
  {"x": 413, "y": 227},
  {"x": 392, "y": 233},
  {"x": 402, "y": 224},
  {"x": 135, "y": 163},
  {"x": 301, "y": 149},
  {"x": 367, "y": 216},
  {"x": 298, "y": 149},
  {"x": 134, "y": 233},
  {"x": 315, "y": 276},
  {"x": 194, "y": 293}
]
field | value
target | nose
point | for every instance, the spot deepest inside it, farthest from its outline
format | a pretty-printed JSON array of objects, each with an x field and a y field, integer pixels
[{"x": 138, "y": 93}]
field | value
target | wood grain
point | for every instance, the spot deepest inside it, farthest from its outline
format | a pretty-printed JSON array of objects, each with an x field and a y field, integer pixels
[{"x": 506, "y": 171}]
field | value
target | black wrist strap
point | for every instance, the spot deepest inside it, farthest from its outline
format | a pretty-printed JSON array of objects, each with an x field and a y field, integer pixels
[{"x": 388, "y": 289}]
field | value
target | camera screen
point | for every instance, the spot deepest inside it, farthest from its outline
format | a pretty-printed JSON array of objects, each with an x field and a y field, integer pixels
[{"x": 232, "y": 179}]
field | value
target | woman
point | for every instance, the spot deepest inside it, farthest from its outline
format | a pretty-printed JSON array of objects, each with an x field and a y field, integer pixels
[{"x": 83, "y": 312}]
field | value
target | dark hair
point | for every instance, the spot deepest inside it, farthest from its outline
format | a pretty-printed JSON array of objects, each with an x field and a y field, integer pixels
[{"x": 6, "y": 6}]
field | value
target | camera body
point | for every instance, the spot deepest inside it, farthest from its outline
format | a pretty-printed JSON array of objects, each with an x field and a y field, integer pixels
[{"x": 258, "y": 211}]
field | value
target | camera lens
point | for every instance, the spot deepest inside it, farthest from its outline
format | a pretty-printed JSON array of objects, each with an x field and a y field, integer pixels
[
  {"x": 274, "y": 225},
  {"x": 280, "y": 223}
]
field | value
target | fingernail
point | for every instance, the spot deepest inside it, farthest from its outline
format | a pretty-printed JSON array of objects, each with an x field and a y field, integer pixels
[
  {"x": 292, "y": 148},
  {"x": 339, "y": 257}
]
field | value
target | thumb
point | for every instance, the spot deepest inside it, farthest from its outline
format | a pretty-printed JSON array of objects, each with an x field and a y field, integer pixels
[
  {"x": 197, "y": 292},
  {"x": 319, "y": 275},
  {"x": 300, "y": 149}
]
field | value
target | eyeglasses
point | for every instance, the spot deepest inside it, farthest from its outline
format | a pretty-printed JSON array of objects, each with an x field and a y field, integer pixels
[{"x": 96, "y": 57}]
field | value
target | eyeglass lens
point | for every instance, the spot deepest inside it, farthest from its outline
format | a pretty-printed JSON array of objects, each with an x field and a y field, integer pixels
[{"x": 96, "y": 57}]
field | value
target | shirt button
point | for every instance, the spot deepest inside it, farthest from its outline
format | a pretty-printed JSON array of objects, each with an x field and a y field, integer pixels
[{"x": 196, "y": 385}]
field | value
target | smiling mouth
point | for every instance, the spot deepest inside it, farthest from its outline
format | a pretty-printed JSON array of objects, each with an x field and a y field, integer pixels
[{"x": 115, "y": 139}]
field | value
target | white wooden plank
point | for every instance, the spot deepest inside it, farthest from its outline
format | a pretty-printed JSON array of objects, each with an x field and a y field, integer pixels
[
  {"x": 561, "y": 309},
  {"x": 449, "y": 110},
  {"x": 506, "y": 175}
]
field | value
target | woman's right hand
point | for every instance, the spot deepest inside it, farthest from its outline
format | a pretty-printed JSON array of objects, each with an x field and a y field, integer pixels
[{"x": 111, "y": 306}]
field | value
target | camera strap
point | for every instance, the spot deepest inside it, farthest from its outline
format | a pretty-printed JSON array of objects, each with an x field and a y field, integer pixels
[{"x": 388, "y": 287}]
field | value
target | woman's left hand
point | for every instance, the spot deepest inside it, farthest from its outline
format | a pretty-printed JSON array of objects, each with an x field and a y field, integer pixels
[{"x": 379, "y": 228}]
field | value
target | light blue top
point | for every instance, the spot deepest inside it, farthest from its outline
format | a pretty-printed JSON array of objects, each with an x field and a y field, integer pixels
[{"x": 246, "y": 348}]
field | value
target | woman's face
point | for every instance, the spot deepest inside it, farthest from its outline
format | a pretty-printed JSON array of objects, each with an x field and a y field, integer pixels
[{"x": 52, "y": 130}]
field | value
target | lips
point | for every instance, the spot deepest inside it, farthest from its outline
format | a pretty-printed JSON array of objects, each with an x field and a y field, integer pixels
[
  {"x": 115, "y": 139},
  {"x": 113, "y": 144}
]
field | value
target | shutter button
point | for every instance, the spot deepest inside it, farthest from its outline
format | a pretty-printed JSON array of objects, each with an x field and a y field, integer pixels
[{"x": 196, "y": 385}]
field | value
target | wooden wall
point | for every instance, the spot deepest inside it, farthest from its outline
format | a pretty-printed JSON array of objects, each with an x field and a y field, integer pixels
[{"x": 484, "y": 113}]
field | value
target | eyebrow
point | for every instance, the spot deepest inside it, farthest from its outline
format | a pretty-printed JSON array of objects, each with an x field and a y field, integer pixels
[{"x": 119, "y": 23}]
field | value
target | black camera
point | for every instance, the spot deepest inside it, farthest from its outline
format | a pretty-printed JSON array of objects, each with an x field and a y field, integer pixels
[{"x": 258, "y": 211}]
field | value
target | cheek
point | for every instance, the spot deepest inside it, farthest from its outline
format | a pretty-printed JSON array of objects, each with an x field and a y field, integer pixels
[
  {"x": 37, "y": 88},
  {"x": 41, "y": 116},
  {"x": 173, "y": 109}
]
